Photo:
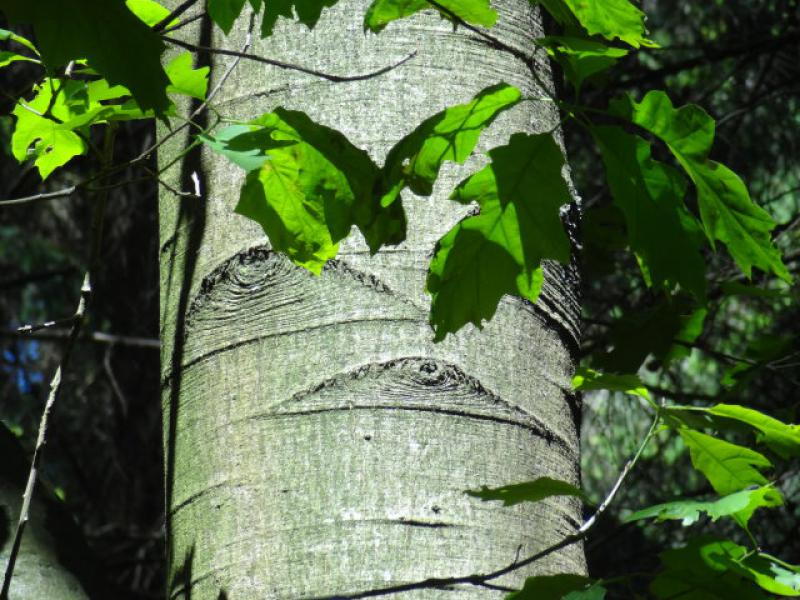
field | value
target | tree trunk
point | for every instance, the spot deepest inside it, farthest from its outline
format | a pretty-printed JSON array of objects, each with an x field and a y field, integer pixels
[{"x": 318, "y": 442}]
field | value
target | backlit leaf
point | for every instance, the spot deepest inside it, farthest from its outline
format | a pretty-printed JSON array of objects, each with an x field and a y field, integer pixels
[
  {"x": 728, "y": 467},
  {"x": 739, "y": 505},
  {"x": 612, "y": 19},
  {"x": 448, "y": 135},
  {"x": 581, "y": 58},
  {"x": 382, "y": 12},
  {"x": 184, "y": 79},
  {"x": 665, "y": 237},
  {"x": 106, "y": 33},
  {"x": 727, "y": 212}
]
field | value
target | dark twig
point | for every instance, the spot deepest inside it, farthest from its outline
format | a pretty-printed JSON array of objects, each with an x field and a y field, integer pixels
[
  {"x": 77, "y": 322},
  {"x": 289, "y": 66},
  {"x": 99, "y": 337},
  {"x": 182, "y": 8},
  {"x": 64, "y": 193}
]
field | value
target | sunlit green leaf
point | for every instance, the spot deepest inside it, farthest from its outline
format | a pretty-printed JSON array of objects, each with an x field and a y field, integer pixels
[
  {"x": 184, "y": 79},
  {"x": 728, "y": 467},
  {"x": 306, "y": 11},
  {"x": 448, "y": 135},
  {"x": 529, "y": 491},
  {"x": 43, "y": 139},
  {"x": 727, "y": 212},
  {"x": 612, "y": 19},
  {"x": 783, "y": 439},
  {"x": 739, "y": 505},
  {"x": 499, "y": 250},
  {"x": 149, "y": 12},
  {"x": 307, "y": 185},
  {"x": 7, "y": 57},
  {"x": 382, "y": 12}
]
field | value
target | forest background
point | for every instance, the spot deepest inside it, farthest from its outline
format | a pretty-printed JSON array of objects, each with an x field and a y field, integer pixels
[{"x": 738, "y": 59}]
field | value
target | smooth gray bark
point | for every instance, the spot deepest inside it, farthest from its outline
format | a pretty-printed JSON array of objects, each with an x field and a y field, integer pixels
[{"x": 318, "y": 442}]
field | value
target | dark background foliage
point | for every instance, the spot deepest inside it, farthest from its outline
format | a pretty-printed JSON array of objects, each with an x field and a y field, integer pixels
[{"x": 738, "y": 58}]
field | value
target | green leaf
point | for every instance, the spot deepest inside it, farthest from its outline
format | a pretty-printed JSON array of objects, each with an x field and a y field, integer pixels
[
  {"x": 783, "y": 439},
  {"x": 225, "y": 12},
  {"x": 586, "y": 380},
  {"x": 665, "y": 237},
  {"x": 307, "y": 185},
  {"x": 529, "y": 491},
  {"x": 499, "y": 250},
  {"x": 728, "y": 467},
  {"x": 43, "y": 139},
  {"x": 115, "y": 42},
  {"x": 448, "y": 135},
  {"x": 612, "y": 19},
  {"x": 739, "y": 505},
  {"x": 564, "y": 586},
  {"x": 149, "y": 12},
  {"x": 704, "y": 570},
  {"x": 727, "y": 212},
  {"x": 579, "y": 57},
  {"x": 6, "y": 35},
  {"x": 382, "y": 12},
  {"x": 308, "y": 12},
  {"x": 186, "y": 80},
  {"x": 8, "y": 57}
]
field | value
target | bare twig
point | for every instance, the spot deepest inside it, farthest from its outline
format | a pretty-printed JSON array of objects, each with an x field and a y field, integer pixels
[
  {"x": 97, "y": 337},
  {"x": 64, "y": 193},
  {"x": 289, "y": 66},
  {"x": 77, "y": 322},
  {"x": 181, "y": 8}
]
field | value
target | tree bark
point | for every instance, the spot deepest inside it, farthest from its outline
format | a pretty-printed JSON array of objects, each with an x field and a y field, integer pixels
[{"x": 318, "y": 442}]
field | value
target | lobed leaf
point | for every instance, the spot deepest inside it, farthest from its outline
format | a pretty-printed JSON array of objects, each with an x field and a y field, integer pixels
[
  {"x": 716, "y": 569},
  {"x": 663, "y": 235},
  {"x": 612, "y": 19},
  {"x": 225, "y": 12},
  {"x": 448, "y": 135},
  {"x": 727, "y": 212},
  {"x": 728, "y": 467},
  {"x": 307, "y": 12},
  {"x": 307, "y": 185},
  {"x": 499, "y": 250},
  {"x": 382, "y": 12},
  {"x": 186, "y": 80},
  {"x": 529, "y": 491},
  {"x": 783, "y": 439},
  {"x": 105, "y": 33},
  {"x": 739, "y": 505}
]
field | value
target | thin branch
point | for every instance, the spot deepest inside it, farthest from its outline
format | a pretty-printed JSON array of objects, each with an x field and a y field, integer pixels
[
  {"x": 182, "y": 8},
  {"x": 289, "y": 66},
  {"x": 98, "y": 337},
  {"x": 64, "y": 193},
  {"x": 78, "y": 320},
  {"x": 482, "y": 580},
  {"x": 185, "y": 22}
]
